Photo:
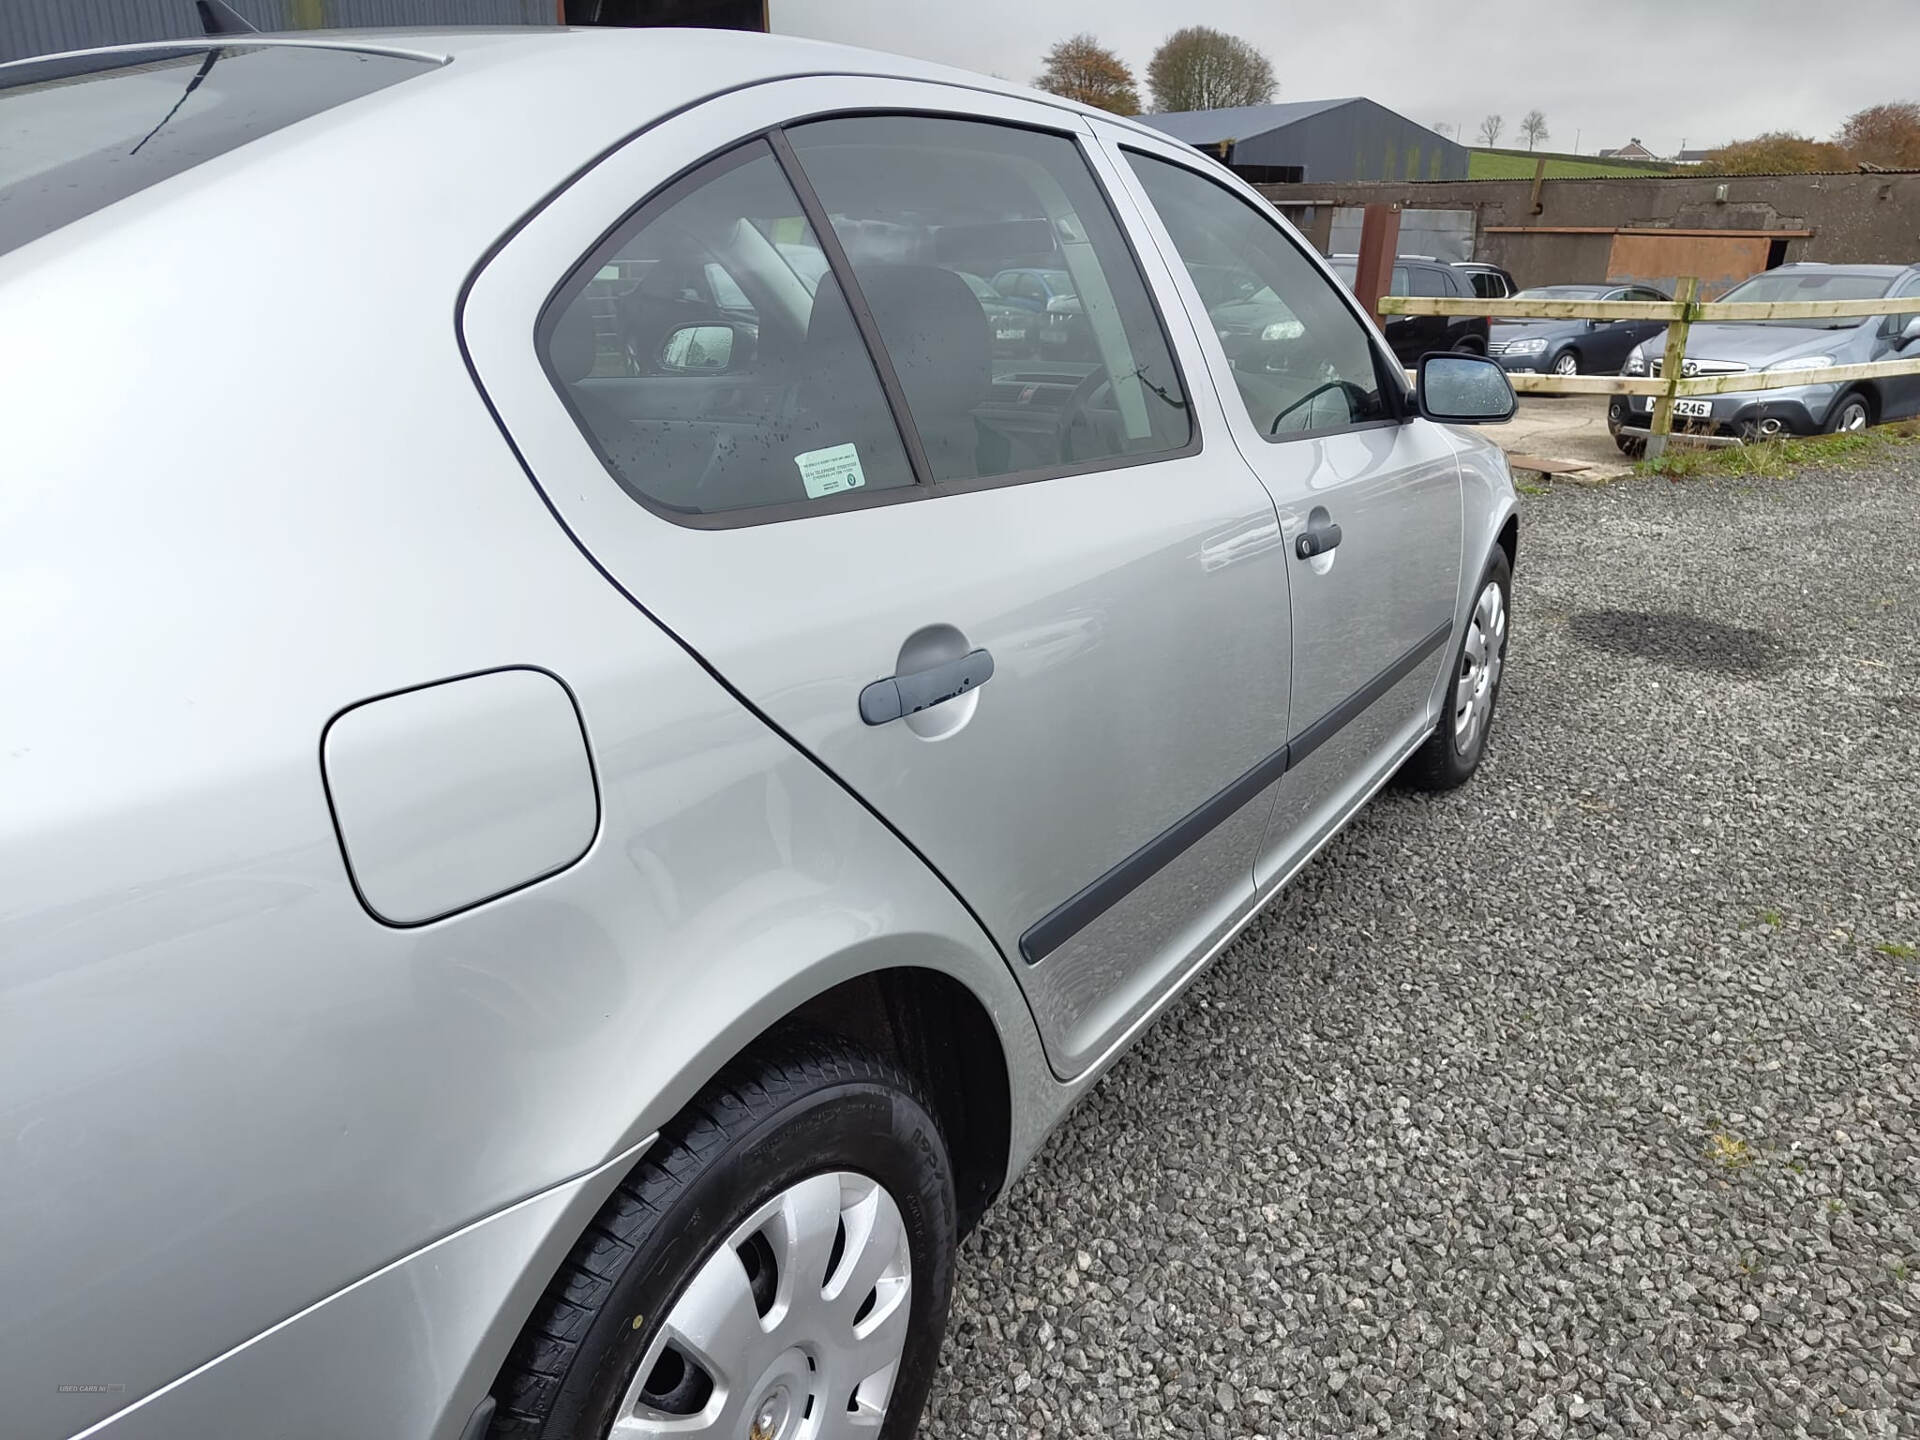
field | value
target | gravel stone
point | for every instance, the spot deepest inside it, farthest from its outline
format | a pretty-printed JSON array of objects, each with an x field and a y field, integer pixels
[{"x": 1579, "y": 1101}]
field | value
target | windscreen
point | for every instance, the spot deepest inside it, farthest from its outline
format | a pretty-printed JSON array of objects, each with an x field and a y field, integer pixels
[
  {"x": 80, "y": 132},
  {"x": 1776, "y": 286}
]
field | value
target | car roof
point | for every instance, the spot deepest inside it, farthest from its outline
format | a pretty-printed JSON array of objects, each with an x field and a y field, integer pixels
[
  {"x": 729, "y": 57},
  {"x": 534, "y": 105},
  {"x": 1824, "y": 268}
]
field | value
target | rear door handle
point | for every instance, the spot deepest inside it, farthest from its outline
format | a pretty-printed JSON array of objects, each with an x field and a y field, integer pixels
[
  {"x": 1317, "y": 540},
  {"x": 899, "y": 695}
]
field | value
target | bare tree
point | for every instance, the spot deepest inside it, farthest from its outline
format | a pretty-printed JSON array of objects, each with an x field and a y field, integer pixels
[
  {"x": 1885, "y": 135},
  {"x": 1442, "y": 129},
  {"x": 1534, "y": 127},
  {"x": 1490, "y": 129},
  {"x": 1083, "y": 69},
  {"x": 1201, "y": 69}
]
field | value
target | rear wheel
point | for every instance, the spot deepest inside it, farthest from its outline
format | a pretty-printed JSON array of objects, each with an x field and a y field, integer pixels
[
  {"x": 1632, "y": 446},
  {"x": 777, "y": 1266},
  {"x": 1452, "y": 753},
  {"x": 1852, "y": 412},
  {"x": 1468, "y": 345}
]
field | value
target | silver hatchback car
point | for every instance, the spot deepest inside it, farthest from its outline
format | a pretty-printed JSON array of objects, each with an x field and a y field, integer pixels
[{"x": 587, "y": 772}]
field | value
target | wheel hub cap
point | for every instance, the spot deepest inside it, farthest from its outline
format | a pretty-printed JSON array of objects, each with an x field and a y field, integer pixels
[
  {"x": 1480, "y": 663},
  {"x": 791, "y": 1330}
]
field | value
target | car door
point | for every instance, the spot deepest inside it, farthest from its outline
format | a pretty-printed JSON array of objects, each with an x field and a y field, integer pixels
[
  {"x": 1437, "y": 332},
  {"x": 1640, "y": 331},
  {"x": 1070, "y": 568},
  {"x": 1607, "y": 342},
  {"x": 1369, "y": 500},
  {"x": 1899, "y": 394}
]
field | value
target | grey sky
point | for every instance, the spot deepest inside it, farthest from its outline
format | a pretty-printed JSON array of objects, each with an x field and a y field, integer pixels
[{"x": 1604, "y": 70}]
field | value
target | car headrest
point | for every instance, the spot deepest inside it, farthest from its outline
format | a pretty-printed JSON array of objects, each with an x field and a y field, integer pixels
[
  {"x": 573, "y": 348},
  {"x": 936, "y": 334}
]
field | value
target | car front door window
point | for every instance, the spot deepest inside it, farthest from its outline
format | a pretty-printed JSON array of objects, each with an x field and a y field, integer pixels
[{"x": 1301, "y": 362}]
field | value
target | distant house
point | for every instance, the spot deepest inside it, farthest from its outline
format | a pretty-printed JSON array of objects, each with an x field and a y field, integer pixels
[
  {"x": 1349, "y": 139},
  {"x": 1632, "y": 150},
  {"x": 1691, "y": 157}
]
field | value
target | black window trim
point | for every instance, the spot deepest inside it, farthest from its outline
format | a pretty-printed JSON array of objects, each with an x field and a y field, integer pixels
[
  {"x": 1386, "y": 365},
  {"x": 924, "y": 486}
]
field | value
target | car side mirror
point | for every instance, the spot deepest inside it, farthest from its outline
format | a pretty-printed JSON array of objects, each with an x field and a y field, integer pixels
[
  {"x": 1910, "y": 332},
  {"x": 699, "y": 350},
  {"x": 1460, "y": 389}
]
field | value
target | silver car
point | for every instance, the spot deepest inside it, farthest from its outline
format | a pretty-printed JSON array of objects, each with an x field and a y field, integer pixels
[
  {"x": 568, "y": 827},
  {"x": 1811, "y": 345}
]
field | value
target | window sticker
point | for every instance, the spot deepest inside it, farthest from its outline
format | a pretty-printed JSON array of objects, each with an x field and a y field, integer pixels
[{"x": 829, "y": 471}]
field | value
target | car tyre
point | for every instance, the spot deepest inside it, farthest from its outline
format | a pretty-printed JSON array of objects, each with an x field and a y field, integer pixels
[
  {"x": 734, "y": 1206},
  {"x": 1631, "y": 446},
  {"x": 1452, "y": 753},
  {"x": 1852, "y": 411},
  {"x": 1468, "y": 345},
  {"x": 1567, "y": 362}
]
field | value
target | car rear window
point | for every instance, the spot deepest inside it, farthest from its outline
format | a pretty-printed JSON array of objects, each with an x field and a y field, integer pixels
[{"x": 80, "y": 132}]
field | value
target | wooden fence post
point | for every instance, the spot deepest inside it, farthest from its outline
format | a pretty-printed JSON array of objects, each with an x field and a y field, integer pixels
[
  {"x": 1687, "y": 292},
  {"x": 1379, "y": 244}
]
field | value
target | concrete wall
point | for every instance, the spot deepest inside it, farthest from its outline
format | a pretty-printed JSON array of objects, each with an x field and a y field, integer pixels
[
  {"x": 1857, "y": 218},
  {"x": 1357, "y": 141}
]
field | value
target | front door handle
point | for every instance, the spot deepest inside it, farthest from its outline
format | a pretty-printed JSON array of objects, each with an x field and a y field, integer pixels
[
  {"x": 899, "y": 695},
  {"x": 1317, "y": 539}
]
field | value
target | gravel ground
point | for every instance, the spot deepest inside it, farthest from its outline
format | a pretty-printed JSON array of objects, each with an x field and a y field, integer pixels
[{"x": 1581, "y": 1101}]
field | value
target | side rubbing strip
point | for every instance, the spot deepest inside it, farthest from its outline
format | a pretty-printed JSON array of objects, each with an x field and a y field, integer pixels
[
  {"x": 1064, "y": 921},
  {"x": 1349, "y": 709}
]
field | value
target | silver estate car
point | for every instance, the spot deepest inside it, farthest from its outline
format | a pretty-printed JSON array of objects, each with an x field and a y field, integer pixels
[
  {"x": 586, "y": 772},
  {"x": 1732, "y": 348}
]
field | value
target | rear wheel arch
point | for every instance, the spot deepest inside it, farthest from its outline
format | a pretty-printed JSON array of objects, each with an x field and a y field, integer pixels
[
  {"x": 937, "y": 1031},
  {"x": 927, "y": 1024}
]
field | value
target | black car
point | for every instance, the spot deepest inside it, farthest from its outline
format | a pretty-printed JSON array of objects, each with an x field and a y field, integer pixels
[
  {"x": 1573, "y": 347},
  {"x": 1412, "y": 336},
  {"x": 1489, "y": 281}
]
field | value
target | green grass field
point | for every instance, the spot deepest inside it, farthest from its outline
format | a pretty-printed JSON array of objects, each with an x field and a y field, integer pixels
[{"x": 1499, "y": 165}]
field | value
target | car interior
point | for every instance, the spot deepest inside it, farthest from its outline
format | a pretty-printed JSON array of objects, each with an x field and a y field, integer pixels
[{"x": 710, "y": 351}]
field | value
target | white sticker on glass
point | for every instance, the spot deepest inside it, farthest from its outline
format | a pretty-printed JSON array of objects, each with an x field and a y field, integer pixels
[{"x": 829, "y": 471}]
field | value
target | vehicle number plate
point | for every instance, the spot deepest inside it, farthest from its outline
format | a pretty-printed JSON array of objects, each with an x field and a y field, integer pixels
[
  {"x": 1687, "y": 409},
  {"x": 1007, "y": 334}
]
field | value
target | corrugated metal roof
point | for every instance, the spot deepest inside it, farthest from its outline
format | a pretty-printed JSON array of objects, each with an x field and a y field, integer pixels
[
  {"x": 1239, "y": 122},
  {"x": 45, "y": 27}
]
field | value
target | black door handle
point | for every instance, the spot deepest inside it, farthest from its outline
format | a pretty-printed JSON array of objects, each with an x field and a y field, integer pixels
[
  {"x": 1317, "y": 540},
  {"x": 899, "y": 695}
]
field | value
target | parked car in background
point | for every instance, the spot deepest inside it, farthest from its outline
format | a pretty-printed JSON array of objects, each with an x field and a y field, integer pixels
[
  {"x": 1490, "y": 282},
  {"x": 1412, "y": 336},
  {"x": 1013, "y": 326},
  {"x": 1249, "y": 318},
  {"x": 528, "y": 908},
  {"x": 1049, "y": 296},
  {"x": 1811, "y": 345},
  {"x": 1573, "y": 347}
]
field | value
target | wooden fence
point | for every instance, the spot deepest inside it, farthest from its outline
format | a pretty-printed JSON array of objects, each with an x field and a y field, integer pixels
[{"x": 1681, "y": 314}]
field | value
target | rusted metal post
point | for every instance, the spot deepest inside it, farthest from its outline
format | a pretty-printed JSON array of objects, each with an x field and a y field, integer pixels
[
  {"x": 1671, "y": 365},
  {"x": 1379, "y": 244}
]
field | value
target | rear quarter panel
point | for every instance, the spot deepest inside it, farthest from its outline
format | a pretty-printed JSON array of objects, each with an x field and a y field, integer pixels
[{"x": 226, "y": 1090}]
